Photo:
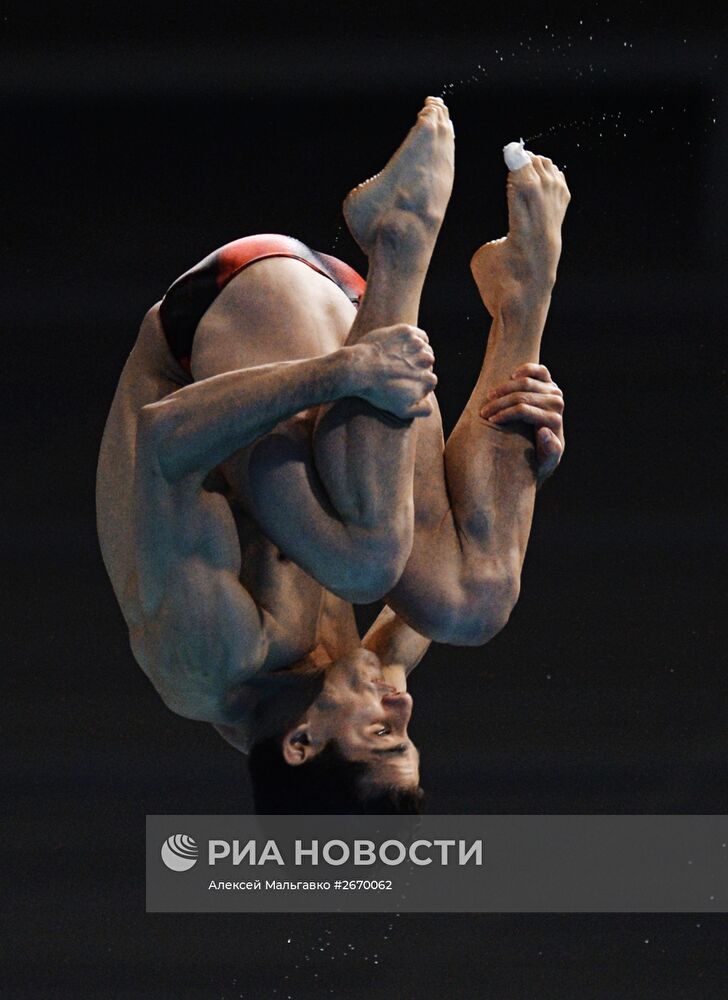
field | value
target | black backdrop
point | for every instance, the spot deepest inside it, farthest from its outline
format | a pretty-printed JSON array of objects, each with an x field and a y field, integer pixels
[{"x": 138, "y": 139}]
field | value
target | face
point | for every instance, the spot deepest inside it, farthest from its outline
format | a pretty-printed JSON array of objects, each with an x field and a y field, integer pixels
[{"x": 366, "y": 708}]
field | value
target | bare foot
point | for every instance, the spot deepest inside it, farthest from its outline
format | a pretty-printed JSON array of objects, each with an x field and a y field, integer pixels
[
  {"x": 405, "y": 203},
  {"x": 524, "y": 262}
]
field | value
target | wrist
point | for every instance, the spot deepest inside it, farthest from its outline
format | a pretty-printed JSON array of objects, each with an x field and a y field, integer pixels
[{"x": 351, "y": 370}]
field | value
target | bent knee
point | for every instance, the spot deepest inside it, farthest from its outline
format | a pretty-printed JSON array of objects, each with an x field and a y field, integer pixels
[
  {"x": 474, "y": 610},
  {"x": 374, "y": 564}
]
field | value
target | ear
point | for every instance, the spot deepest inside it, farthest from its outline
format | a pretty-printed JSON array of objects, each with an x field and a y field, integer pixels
[{"x": 297, "y": 746}]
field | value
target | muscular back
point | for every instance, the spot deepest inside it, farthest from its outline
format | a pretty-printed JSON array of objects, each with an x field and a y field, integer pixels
[{"x": 150, "y": 374}]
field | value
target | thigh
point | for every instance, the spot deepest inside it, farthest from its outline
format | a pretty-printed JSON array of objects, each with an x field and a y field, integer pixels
[
  {"x": 435, "y": 561},
  {"x": 278, "y": 310}
]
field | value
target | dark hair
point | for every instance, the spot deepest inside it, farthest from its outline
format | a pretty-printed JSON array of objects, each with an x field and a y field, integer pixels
[{"x": 326, "y": 784}]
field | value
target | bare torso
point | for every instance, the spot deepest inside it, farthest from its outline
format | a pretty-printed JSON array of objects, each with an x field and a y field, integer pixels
[{"x": 300, "y": 614}]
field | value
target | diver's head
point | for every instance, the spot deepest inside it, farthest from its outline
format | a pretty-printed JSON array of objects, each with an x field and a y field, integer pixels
[{"x": 348, "y": 752}]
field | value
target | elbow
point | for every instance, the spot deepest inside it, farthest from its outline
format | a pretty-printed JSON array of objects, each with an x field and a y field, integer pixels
[
  {"x": 371, "y": 568},
  {"x": 477, "y": 626},
  {"x": 151, "y": 432},
  {"x": 367, "y": 579},
  {"x": 150, "y": 421},
  {"x": 375, "y": 588},
  {"x": 475, "y": 610},
  {"x": 157, "y": 442}
]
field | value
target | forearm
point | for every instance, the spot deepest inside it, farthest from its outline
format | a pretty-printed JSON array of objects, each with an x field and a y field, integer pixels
[
  {"x": 394, "y": 641},
  {"x": 202, "y": 424}
]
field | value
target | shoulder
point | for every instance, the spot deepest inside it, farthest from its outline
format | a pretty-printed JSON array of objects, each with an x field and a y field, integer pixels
[{"x": 237, "y": 735}]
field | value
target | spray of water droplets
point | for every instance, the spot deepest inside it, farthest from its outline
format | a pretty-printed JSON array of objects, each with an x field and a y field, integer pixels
[
  {"x": 320, "y": 959},
  {"x": 571, "y": 49},
  {"x": 317, "y": 960},
  {"x": 607, "y": 125},
  {"x": 337, "y": 237}
]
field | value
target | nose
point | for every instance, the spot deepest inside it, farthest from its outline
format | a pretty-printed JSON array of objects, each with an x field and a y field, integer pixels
[{"x": 400, "y": 704}]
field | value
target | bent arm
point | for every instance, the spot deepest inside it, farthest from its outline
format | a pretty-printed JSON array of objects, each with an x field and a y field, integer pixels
[
  {"x": 394, "y": 641},
  {"x": 200, "y": 425},
  {"x": 199, "y": 635},
  {"x": 205, "y": 641}
]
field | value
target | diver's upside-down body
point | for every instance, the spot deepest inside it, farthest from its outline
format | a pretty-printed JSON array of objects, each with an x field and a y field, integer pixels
[{"x": 274, "y": 453}]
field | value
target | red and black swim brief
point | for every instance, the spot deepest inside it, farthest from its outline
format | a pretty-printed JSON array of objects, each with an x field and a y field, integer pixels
[{"x": 189, "y": 297}]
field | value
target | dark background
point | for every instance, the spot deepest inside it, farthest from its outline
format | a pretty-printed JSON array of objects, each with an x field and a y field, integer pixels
[{"x": 135, "y": 141}]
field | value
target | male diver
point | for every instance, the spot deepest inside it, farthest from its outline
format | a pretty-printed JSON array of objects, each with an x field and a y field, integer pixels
[{"x": 274, "y": 454}]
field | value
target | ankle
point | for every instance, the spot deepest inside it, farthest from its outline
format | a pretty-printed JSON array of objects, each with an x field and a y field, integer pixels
[
  {"x": 405, "y": 239},
  {"x": 520, "y": 305}
]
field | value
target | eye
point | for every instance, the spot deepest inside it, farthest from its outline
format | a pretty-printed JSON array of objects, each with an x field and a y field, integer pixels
[{"x": 384, "y": 732}]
